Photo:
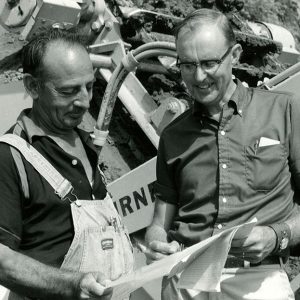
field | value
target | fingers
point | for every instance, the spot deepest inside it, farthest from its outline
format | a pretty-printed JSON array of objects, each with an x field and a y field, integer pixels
[
  {"x": 256, "y": 246},
  {"x": 247, "y": 251},
  {"x": 93, "y": 286},
  {"x": 153, "y": 255},
  {"x": 99, "y": 292},
  {"x": 165, "y": 248},
  {"x": 253, "y": 257},
  {"x": 158, "y": 250},
  {"x": 237, "y": 243}
]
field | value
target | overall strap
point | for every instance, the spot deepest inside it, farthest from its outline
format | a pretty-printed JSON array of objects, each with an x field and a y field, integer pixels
[
  {"x": 19, "y": 163},
  {"x": 61, "y": 185}
]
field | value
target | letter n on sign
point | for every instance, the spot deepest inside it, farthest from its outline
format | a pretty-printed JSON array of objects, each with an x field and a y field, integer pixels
[{"x": 132, "y": 197}]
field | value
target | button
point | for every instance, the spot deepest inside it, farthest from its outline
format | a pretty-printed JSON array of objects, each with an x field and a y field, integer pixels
[
  {"x": 222, "y": 132},
  {"x": 77, "y": 203},
  {"x": 220, "y": 226},
  {"x": 74, "y": 162},
  {"x": 224, "y": 166},
  {"x": 224, "y": 200}
]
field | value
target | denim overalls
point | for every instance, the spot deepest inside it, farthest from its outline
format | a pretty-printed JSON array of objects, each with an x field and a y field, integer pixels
[{"x": 101, "y": 243}]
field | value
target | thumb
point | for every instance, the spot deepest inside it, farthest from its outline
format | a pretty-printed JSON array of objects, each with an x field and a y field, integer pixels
[
  {"x": 175, "y": 246},
  {"x": 94, "y": 285},
  {"x": 102, "y": 284},
  {"x": 97, "y": 289}
]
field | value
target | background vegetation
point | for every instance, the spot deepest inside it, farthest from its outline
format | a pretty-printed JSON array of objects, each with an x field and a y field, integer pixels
[{"x": 285, "y": 13}]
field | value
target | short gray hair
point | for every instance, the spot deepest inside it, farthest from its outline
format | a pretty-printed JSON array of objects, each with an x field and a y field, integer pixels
[{"x": 205, "y": 16}]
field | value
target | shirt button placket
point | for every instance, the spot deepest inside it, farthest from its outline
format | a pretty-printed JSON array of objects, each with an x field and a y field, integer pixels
[{"x": 223, "y": 173}]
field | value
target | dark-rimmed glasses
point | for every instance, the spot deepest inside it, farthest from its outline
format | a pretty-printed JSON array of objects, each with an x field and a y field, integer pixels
[{"x": 207, "y": 65}]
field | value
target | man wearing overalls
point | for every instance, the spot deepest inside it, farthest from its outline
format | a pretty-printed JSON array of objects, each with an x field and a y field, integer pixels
[{"x": 60, "y": 235}]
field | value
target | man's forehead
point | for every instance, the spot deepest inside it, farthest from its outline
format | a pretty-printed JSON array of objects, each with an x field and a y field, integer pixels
[
  {"x": 197, "y": 30},
  {"x": 59, "y": 49},
  {"x": 207, "y": 38},
  {"x": 61, "y": 59}
]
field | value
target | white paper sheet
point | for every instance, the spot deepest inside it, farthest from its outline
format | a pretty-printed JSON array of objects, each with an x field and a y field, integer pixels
[{"x": 200, "y": 265}]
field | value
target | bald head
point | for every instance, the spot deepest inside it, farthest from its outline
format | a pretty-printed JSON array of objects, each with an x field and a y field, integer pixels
[
  {"x": 64, "y": 59},
  {"x": 35, "y": 51}
]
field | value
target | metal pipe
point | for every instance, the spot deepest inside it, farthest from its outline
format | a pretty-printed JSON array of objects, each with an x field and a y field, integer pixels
[
  {"x": 101, "y": 61},
  {"x": 282, "y": 76},
  {"x": 152, "y": 68},
  {"x": 115, "y": 83}
]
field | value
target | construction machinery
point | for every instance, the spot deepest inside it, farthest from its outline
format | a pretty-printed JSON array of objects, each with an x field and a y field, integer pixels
[{"x": 129, "y": 55}]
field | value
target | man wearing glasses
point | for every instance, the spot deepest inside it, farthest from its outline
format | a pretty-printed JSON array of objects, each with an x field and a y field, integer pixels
[{"x": 231, "y": 157}]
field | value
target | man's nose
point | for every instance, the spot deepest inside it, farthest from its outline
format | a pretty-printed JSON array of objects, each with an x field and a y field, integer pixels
[
  {"x": 84, "y": 98},
  {"x": 200, "y": 74}
]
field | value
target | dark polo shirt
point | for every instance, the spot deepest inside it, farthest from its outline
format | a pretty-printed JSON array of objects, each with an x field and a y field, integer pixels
[
  {"x": 41, "y": 227},
  {"x": 217, "y": 174}
]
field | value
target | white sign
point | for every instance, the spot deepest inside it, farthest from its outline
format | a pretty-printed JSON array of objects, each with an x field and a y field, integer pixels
[{"x": 132, "y": 196}]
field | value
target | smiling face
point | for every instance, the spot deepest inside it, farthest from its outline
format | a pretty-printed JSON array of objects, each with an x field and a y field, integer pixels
[
  {"x": 207, "y": 42},
  {"x": 65, "y": 91}
]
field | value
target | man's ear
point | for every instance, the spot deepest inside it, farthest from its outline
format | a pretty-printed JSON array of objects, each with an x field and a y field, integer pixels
[
  {"x": 236, "y": 53},
  {"x": 31, "y": 85}
]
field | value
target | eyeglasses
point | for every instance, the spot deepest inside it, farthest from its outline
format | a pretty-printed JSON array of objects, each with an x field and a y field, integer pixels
[{"x": 207, "y": 65}]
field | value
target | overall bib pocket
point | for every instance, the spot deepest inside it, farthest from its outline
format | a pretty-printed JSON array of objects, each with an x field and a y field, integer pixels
[{"x": 113, "y": 252}]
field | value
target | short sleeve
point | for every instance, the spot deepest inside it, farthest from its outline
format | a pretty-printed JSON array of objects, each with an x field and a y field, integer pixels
[
  {"x": 164, "y": 188},
  {"x": 10, "y": 200},
  {"x": 294, "y": 158}
]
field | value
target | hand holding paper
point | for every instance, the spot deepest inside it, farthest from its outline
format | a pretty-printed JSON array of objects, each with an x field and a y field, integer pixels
[
  {"x": 158, "y": 250},
  {"x": 197, "y": 259},
  {"x": 254, "y": 246}
]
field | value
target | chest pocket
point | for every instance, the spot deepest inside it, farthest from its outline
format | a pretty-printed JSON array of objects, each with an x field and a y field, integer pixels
[
  {"x": 107, "y": 250},
  {"x": 263, "y": 167}
]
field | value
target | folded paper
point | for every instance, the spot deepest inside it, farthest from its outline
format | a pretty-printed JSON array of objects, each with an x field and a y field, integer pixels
[
  {"x": 263, "y": 142},
  {"x": 200, "y": 266}
]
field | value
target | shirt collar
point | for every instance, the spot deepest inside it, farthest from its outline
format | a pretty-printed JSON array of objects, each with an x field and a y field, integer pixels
[
  {"x": 236, "y": 101},
  {"x": 238, "y": 97},
  {"x": 32, "y": 129}
]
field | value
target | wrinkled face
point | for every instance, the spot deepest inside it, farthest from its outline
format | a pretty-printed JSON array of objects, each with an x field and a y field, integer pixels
[
  {"x": 207, "y": 86},
  {"x": 66, "y": 87}
]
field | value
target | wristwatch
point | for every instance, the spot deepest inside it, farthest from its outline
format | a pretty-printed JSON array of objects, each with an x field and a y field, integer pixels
[{"x": 283, "y": 237}]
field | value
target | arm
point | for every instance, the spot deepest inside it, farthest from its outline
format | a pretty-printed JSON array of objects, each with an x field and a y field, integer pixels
[
  {"x": 294, "y": 224},
  {"x": 294, "y": 163},
  {"x": 156, "y": 235},
  {"x": 162, "y": 221},
  {"x": 166, "y": 202},
  {"x": 29, "y": 277},
  {"x": 261, "y": 242},
  {"x": 23, "y": 274}
]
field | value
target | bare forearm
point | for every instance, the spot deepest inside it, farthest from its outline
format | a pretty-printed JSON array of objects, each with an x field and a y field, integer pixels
[
  {"x": 27, "y": 276},
  {"x": 162, "y": 221},
  {"x": 294, "y": 224}
]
